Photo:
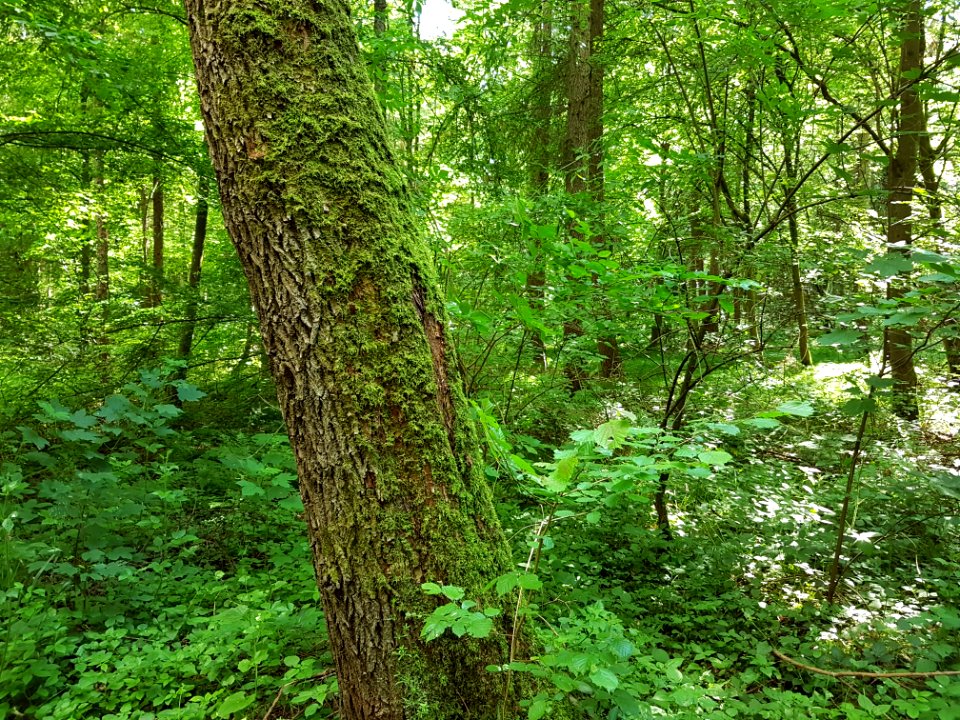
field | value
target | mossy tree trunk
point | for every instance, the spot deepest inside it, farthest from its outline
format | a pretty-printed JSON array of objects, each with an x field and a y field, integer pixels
[{"x": 354, "y": 326}]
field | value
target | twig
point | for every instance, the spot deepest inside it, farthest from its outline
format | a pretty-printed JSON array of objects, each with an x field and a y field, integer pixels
[{"x": 862, "y": 673}]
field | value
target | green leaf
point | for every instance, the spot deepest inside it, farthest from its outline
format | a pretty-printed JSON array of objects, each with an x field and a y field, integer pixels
[
  {"x": 529, "y": 581},
  {"x": 659, "y": 655},
  {"x": 887, "y": 266},
  {"x": 763, "y": 423},
  {"x": 234, "y": 704},
  {"x": 714, "y": 457},
  {"x": 506, "y": 583},
  {"x": 605, "y": 679},
  {"x": 797, "y": 408},
  {"x": 167, "y": 411},
  {"x": 724, "y": 428},
  {"x": 31, "y": 436},
  {"x": 623, "y": 649},
  {"x": 562, "y": 474},
  {"x": 858, "y": 406},
  {"x": 628, "y": 704},
  {"x": 612, "y": 434},
  {"x": 479, "y": 626},
  {"x": 431, "y": 588},
  {"x": 249, "y": 489},
  {"x": 187, "y": 392},
  {"x": 538, "y": 708},
  {"x": 452, "y": 592},
  {"x": 838, "y": 338}
]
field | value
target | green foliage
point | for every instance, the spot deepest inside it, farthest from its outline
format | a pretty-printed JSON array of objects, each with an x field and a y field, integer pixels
[
  {"x": 128, "y": 578},
  {"x": 153, "y": 559}
]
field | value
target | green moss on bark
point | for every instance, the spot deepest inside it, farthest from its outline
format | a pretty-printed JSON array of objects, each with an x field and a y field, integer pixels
[{"x": 354, "y": 325}]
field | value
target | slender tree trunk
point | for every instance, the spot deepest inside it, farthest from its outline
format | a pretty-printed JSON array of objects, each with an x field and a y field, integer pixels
[
  {"x": 193, "y": 281},
  {"x": 931, "y": 185},
  {"x": 582, "y": 154},
  {"x": 86, "y": 250},
  {"x": 102, "y": 288},
  {"x": 541, "y": 144},
  {"x": 381, "y": 14},
  {"x": 156, "y": 273},
  {"x": 901, "y": 178},
  {"x": 355, "y": 328},
  {"x": 791, "y": 145}
]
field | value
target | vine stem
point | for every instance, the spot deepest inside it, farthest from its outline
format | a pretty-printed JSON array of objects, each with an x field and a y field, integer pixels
[{"x": 863, "y": 673}]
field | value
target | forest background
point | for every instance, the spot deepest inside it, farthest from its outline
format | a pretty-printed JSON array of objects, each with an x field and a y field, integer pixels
[{"x": 700, "y": 262}]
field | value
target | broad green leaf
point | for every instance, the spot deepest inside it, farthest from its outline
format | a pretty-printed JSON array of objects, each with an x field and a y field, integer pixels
[
  {"x": 187, "y": 392},
  {"x": 580, "y": 663},
  {"x": 659, "y": 655},
  {"x": 612, "y": 434},
  {"x": 506, "y": 583},
  {"x": 31, "y": 436},
  {"x": 234, "y": 704},
  {"x": 167, "y": 411},
  {"x": 529, "y": 581},
  {"x": 538, "y": 708},
  {"x": 628, "y": 704},
  {"x": 927, "y": 257},
  {"x": 858, "y": 406},
  {"x": 908, "y": 317},
  {"x": 562, "y": 474},
  {"x": 605, "y": 679},
  {"x": 797, "y": 408},
  {"x": 623, "y": 649},
  {"x": 839, "y": 337},
  {"x": 714, "y": 457},
  {"x": 452, "y": 592},
  {"x": 431, "y": 588},
  {"x": 887, "y": 266},
  {"x": 724, "y": 428},
  {"x": 523, "y": 466},
  {"x": 479, "y": 626},
  {"x": 249, "y": 489},
  {"x": 764, "y": 423}
]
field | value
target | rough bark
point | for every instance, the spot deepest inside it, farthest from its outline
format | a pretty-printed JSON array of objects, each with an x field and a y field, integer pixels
[
  {"x": 901, "y": 178},
  {"x": 352, "y": 320}
]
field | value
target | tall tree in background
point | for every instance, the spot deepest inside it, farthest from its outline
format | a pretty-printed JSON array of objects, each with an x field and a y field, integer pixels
[
  {"x": 901, "y": 179},
  {"x": 582, "y": 152},
  {"x": 355, "y": 328}
]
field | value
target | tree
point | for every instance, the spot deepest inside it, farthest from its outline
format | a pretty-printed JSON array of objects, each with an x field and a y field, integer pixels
[
  {"x": 901, "y": 179},
  {"x": 355, "y": 328}
]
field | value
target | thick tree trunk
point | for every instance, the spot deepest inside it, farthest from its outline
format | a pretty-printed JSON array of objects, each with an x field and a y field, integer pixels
[
  {"x": 901, "y": 177},
  {"x": 351, "y": 317}
]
